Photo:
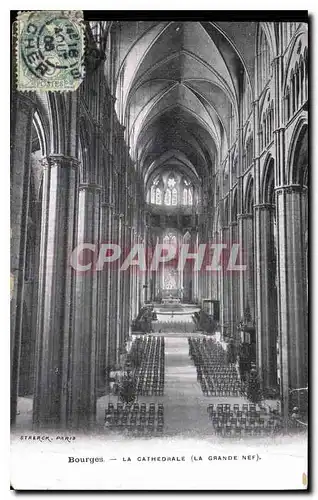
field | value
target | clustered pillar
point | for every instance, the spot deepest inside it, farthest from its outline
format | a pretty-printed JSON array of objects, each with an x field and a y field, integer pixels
[
  {"x": 21, "y": 159},
  {"x": 266, "y": 292},
  {"x": 291, "y": 207},
  {"x": 84, "y": 345},
  {"x": 56, "y": 281}
]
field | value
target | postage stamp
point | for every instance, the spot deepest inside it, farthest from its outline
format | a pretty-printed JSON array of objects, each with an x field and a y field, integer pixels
[{"x": 50, "y": 50}]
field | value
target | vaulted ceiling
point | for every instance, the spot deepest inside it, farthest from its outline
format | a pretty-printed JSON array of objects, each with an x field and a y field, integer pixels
[{"x": 178, "y": 88}]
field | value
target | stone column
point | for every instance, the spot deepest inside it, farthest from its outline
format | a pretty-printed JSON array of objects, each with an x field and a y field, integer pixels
[
  {"x": 240, "y": 210},
  {"x": 23, "y": 109},
  {"x": 129, "y": 283},
  {"x": 234, "y": 281},
  {"x": 148, "y": 262},
  {"x": 54, "y": 331},
  {"x": 104, "y": 289},
  {"x": 215, "y": 292},
  {"x": 159, "y": 272},
  {"x": 245, "y": 222},
  {"x": 119, "y": 304},
  {"x": 293, "y": 295},
  {"x": 266, "y": 313},
  {"x": 126, "y": 298},
  {"x": 221, "y": 285},
  {"x": 138, "y": 288},
  {"x": 195, "y": 273},
  {"x": 109, "y": 360},
  {"x": 226, "y": 291},
  {"x": 257, "y": 200},
  {"x": 83, "y": 408},
  {"x": 113, "y": 294}
]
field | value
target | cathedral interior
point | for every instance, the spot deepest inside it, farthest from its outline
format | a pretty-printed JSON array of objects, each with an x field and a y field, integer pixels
[{"x": 181, "y": 132}]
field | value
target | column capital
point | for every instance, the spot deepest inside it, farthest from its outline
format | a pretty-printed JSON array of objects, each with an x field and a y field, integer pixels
[
  {"x": 291, "y": 188},
  {"x": 244, "y": 216},
  {"x": 59, "y": 160},
  {"x": 265, "y": 206},
  {"x": 277, "y": 59},
  {"x": 90, "y": 187},
  {"x": 119, "y": 216},
  {"x": 278, "y": 129}
]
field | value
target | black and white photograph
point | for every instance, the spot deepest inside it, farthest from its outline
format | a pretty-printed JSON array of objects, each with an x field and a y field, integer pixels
[{"x": 159, "y": 207}]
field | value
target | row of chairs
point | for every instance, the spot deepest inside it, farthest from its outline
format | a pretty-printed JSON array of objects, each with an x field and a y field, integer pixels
[
  {"x": 135, "y": 417},
  {"x": 227, "y": 370},
  {"x": 149, "y": 377},
  {"x": 215, "y": 375},
  {"x": 235, "y": 420},
  {"x": 135, "y": 354},
  {"x": 210, "y": 350},
  {"x": 236, "y": 431},
  {"x": 245, "y": 408},
  {"x": 219, "y": 392}
]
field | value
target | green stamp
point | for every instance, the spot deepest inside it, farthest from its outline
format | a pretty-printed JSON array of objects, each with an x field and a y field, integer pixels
[{"x": 50, "y": 50}]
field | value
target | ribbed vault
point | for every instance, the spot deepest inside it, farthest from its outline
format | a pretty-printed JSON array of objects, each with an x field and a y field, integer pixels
[{"x": 178, "y": 87}]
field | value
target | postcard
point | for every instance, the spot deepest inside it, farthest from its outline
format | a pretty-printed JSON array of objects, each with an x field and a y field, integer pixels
[{"x": 159, "y": 250}]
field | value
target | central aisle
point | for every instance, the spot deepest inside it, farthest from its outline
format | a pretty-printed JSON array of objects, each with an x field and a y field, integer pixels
[{"x": 185, "y": 405}]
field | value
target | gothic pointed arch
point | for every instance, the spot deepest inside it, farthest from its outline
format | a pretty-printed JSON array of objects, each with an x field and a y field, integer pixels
[
  {"x": 268, "y": 184},
  {"x": 249, "y": 196},
  {"x": 298, "y": 154}
]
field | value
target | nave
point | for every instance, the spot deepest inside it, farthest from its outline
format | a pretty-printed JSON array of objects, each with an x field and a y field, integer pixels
[
  {"x": 197, "y": 397},
  {"x": 186, "y": 408},
  {"x": 182, "y": 134}
]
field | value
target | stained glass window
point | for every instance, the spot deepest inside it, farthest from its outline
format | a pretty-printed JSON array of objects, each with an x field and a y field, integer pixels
[
  {"x": 185, "y": 196},
  {"x": 158, "y": 196},
  {"x": 171, "y": 182},
  {"x": 174, "y": 196},
  {"x": 172, "y": 193},
  {"x": 190, "y": 197},
  {"x": 153, "y": 194},
  {"x": 170, "y": 239},
  {"x": 168, "y": 197},
  {"x": 170, "y": 282}
]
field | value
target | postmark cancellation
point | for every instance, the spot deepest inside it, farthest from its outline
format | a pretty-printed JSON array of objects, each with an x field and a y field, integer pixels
[{"x": 50, "y": 50}]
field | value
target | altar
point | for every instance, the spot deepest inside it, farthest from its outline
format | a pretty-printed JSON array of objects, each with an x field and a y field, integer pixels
[
  {"x": 171, "y": 295},
  {"x": 171, "y": 300}
]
